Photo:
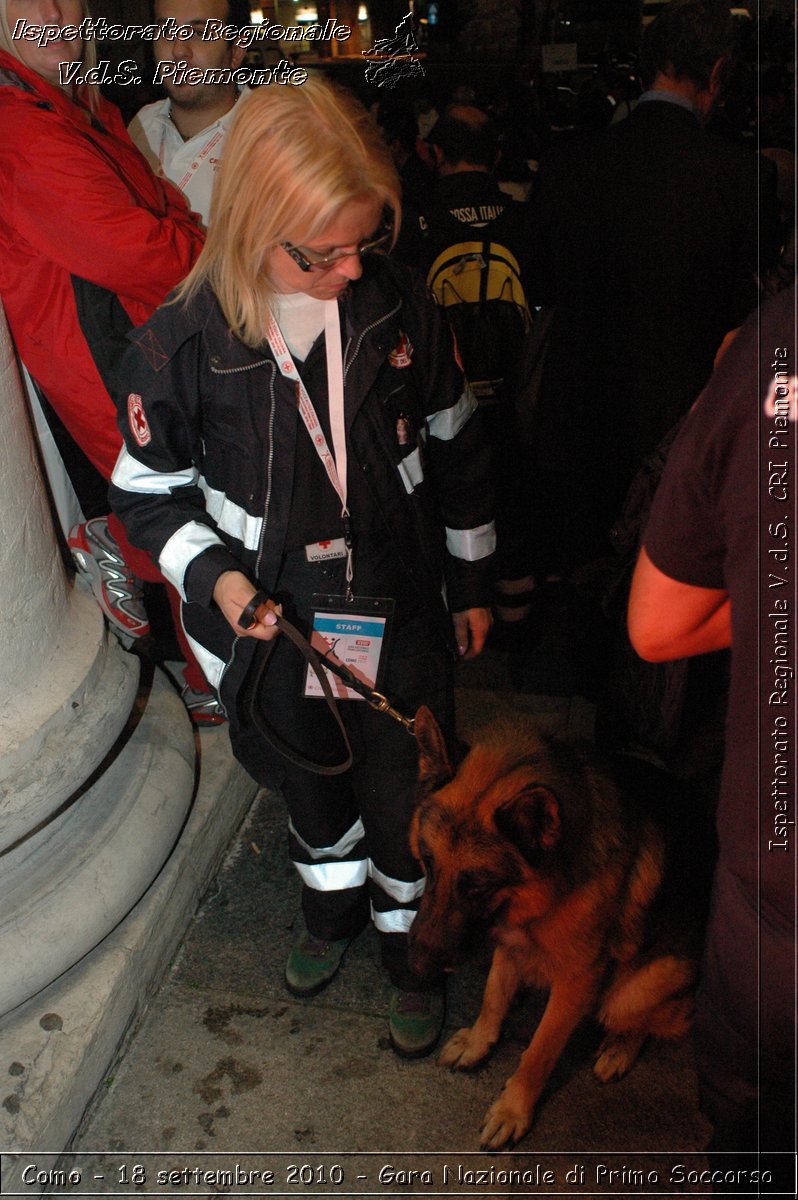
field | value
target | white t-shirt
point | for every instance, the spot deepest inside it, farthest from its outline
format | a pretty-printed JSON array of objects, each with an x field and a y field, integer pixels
[
  {"x": 191, "y": 165},
  {"x": 301, "y": 320}
]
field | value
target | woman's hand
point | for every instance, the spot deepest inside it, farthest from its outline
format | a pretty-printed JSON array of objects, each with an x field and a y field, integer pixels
[
  {"x": 471, "y": 628},
  {"x": 233, "y": 592}
]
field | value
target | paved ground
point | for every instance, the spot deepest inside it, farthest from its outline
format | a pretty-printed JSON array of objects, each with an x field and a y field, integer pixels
[{"x": 228, "y": 1073}]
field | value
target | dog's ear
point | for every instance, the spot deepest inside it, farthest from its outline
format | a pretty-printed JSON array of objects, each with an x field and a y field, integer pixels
[
  {"x": 531, "y": 821},
  {"x": 434, "y": 765}
]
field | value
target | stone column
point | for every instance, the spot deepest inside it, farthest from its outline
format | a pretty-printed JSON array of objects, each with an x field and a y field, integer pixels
[{"x": 96, "y": 768}]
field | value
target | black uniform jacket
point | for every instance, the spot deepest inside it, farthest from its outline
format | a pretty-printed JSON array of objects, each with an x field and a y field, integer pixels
[{"x": 204, "y": 482}]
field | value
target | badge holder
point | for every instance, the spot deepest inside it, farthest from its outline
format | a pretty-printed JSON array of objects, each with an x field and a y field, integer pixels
[{"x": 353, "y": 632}]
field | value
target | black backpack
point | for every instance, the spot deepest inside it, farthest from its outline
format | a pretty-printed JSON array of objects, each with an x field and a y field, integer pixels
[{"x": 478, "y": 283}]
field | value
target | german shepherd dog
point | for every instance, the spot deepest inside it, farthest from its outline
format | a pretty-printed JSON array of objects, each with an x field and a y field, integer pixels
[{"x": 572, "y": 872}]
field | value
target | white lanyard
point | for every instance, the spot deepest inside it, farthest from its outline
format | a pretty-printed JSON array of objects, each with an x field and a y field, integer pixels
[
  {"x": 334, "y": 463},
  {"x": 196, "y": 162}
]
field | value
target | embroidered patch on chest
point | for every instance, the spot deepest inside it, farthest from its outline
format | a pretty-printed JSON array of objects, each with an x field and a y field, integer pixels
[
  {"x": 402, "y": 354},
  {"x": 138, "y": 420}
]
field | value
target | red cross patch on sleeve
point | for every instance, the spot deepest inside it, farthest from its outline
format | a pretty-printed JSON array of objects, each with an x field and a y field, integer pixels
[{"x": 138, "y": 420}]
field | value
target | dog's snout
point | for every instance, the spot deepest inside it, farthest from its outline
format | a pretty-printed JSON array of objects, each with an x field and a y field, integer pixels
[
  {"x": 420, "y": 959},
  {"x": 424, "y": 954}
]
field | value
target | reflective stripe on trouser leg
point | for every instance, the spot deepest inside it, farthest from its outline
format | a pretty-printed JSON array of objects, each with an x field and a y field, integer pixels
[
  {"x": 331, "y": 868},
  {"x": 394, "y": 902},
  {"x": 333, "y": 877}
]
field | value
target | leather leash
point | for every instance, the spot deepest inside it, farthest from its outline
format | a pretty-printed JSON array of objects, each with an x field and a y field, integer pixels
[{"x": 255, "y": 611}]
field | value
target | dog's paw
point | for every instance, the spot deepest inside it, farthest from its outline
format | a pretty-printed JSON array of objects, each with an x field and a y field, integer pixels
[
  {"x": 506, "y": 1121},
  {"x": 465, "y": 1050},
  {"x": 616, "y": 1054}
]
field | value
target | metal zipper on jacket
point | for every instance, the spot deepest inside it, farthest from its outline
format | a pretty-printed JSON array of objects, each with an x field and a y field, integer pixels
[
  {"x": 264, "y": 362},
  {"x": 267, "y": 504},
  {"x": 366, "y": 331},
  {"x": 269, "y": 465}
]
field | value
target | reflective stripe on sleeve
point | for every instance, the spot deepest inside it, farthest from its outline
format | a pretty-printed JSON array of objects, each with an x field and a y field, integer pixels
[
  {"x": 231, "y": 518},
  {"x": 398, "y": 920},
  {"x": 447, "y": 423},
  {"x": 342, "y": 847},
  {"x": 411, "y": 470},
  {"x": 397, "y": 889},
  {"x": 471, "y": 544},
  {"x": 130, "y": 475},
  {"x": 333, "y": 877},
  {"x": 212, "y": 666},
  {"x": 186, "y": 544}
]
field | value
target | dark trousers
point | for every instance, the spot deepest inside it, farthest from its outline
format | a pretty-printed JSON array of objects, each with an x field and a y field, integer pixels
[
  {"x": 348, "y": 834},
  {"x": 744, "y": 1036}
]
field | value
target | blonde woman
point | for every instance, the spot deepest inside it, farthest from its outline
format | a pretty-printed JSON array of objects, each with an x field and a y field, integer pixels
[
  {"x": 295, "y": 421},
  {"x": 90, "y": 243}
]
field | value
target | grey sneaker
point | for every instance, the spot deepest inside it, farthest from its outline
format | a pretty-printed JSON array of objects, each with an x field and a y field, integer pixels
[
  {"x": 116, "y": 589},
  {"x": 203, "y": 707}
]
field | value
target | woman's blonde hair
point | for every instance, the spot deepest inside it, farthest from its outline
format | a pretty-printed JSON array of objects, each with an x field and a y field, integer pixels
[
  {"x": 294, "y": 156},
  {"x": 88, "y": 92}
]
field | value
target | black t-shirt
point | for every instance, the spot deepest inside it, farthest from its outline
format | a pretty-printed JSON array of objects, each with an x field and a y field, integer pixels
[
  {"x": 720, "y": 518},
  {"x": 470, "y": 205}
]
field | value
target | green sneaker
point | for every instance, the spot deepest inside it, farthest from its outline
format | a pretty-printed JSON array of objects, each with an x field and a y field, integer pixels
[
  {"x": 416, "y": 1022},
  {"x": 312, "y": 964}
]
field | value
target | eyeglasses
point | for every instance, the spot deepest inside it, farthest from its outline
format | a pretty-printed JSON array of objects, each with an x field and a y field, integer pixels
[{"x": 311, "y": 260}]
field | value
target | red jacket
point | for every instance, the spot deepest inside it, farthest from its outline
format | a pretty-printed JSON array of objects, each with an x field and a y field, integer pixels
[{"x": 90, "y": 244}]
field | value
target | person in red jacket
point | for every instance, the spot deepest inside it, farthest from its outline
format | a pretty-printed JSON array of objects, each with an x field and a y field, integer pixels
[{"x": 92, "y": 242}]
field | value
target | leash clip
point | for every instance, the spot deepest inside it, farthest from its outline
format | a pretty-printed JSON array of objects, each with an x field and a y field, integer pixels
[{"x": 382, "y": 704}]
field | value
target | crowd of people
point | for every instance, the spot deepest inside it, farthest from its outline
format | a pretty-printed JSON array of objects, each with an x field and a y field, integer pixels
[{"x": 415, "y": 370}]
